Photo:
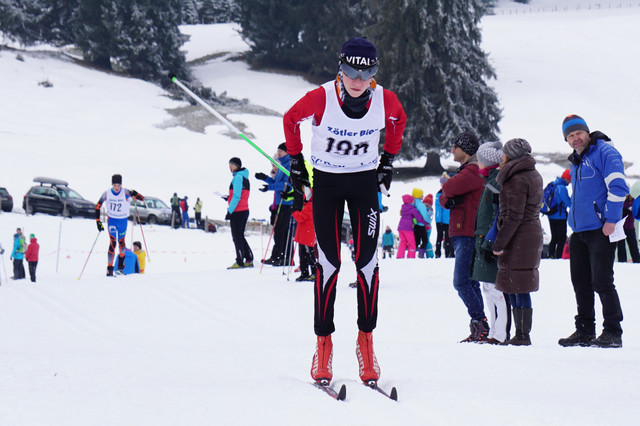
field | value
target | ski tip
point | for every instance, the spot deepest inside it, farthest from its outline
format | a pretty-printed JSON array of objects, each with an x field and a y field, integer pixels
[
  {"x": 342, "y": 394},
  {"x": 394, "y": 394}
]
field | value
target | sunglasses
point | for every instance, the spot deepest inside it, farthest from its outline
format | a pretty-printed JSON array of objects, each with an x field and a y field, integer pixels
[{"x": 354, "y": 73}]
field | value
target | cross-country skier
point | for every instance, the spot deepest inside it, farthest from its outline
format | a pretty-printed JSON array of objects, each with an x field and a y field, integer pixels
[
  {"x": 347, "y": 114},
  {"x": 116, "y": 201}
]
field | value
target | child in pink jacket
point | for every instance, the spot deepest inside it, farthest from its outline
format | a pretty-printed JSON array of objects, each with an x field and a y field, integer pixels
[{"x": 408, "y": 214}]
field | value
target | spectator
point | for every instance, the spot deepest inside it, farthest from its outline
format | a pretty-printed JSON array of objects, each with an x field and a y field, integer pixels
[
  {"x": 306, "y": 239},
  {"x": 282, "y": 204},
  {"x": 630, "y": 232},
  {"x": 428, "y": 202},
  {"x": 31, "y": 255},
  {"x": 599, "y": 191},
  {"x": 198, "y": 210},
  {"x": 131, "y": 263},
  {"x": 142, "y": 256},
  {"x": 420, "y": 228},
  {"x": 518, "y": 244},
  {"x": 184, "y": 207},
  {"x": 485, "y": 267},
  {"x": 442, "y": 224},
  {"x": 17, "y": 255},
  {"x": 558, "y": 220},
  {"x": 175, "y": 211},
  {"x": 388, "y": 242},
  {"x": 238, "y": 213},
  {"x": 409, "y": 216},
  {"x": 461, "y": 194}
]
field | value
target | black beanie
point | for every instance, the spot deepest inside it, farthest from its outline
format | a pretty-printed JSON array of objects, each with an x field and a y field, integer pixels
[
  {"x": 283, "y": 147},
  {"x": 116, "y": 179},
  {"x": 468, "y": 142},
  {"x": 571, "y": 123},
  {"x": 236, "y": 161}
]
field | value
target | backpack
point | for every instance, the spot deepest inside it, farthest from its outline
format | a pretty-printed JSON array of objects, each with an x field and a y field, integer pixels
[{"x": 549, "y": 205}]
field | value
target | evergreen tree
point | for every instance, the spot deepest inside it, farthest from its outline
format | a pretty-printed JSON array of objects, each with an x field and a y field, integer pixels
[
  {"x": 21, "y": 20},
  {"x": 94, "y": 32},
  {"x": 190, "y": 12},
  {"x": 433, "y": 61}
]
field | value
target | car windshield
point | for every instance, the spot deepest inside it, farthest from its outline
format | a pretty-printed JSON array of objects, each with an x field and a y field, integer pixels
[
  {"x": 160, "y": 204},
  {"x": 69, "y": 193}
]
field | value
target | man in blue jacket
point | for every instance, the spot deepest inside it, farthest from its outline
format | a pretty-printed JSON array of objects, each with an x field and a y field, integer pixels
[
  {"x": 283, "y": 201},
  {"x": 558, "y": 220},
  {"x": 599, "y": 190}
]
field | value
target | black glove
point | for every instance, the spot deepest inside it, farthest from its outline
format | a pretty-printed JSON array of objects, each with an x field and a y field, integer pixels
[
  {"x": 299, "y": 176},
  {"x": 264, "y": 188},
  {"x": 453, "y": 202},
  {"x": 298, "y": 201},
  {"x": 135, "y": 194},
  {"x": 99, "y": 224},
  {"x": 228, "y": 216},
  {"x": 489, "y": 257},
  {"x": 261, "y": 176},
  {"x": 287, "y": 194},
  {"x": 385, "y": 170}
]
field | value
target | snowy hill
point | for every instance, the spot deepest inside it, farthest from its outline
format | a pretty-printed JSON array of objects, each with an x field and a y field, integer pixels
[{"x": 191, "y": 343}]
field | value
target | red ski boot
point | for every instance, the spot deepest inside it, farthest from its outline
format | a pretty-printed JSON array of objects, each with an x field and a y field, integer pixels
[
  {"x": 369, "y": 368},
  {"x": 321, "y": 370}
]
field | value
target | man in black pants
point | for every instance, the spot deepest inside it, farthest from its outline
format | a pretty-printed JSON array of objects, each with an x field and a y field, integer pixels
[
  {"x": 238, "y": 213},
  {"x": 348, "y": 114}
]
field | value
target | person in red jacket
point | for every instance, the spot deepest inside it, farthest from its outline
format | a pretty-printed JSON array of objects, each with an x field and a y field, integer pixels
[
  {"x": 347, "y": 115},
  {"x": 306, "y": 239},
  {"x": 461, "y": 195},
  {"x": 32, "y": 256}
]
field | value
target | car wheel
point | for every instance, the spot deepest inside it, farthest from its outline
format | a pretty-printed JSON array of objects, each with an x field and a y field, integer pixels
[{"x": 152, "y": 220}]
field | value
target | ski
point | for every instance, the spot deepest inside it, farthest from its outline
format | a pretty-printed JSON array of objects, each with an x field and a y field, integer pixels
[
  {"x": 331, "y": 391},
  {"x": 374, "y": 385}
]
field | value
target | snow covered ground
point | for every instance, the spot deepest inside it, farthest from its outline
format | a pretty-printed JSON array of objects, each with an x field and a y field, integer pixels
[{"x": 192, "y": 343}]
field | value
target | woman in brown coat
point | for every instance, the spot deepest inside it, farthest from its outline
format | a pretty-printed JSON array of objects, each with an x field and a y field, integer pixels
[{"x": 519, "y": 240}]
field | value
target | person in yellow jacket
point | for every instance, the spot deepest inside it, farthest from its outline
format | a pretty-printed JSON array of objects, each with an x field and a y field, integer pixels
[{"x": 142, "y": 256}]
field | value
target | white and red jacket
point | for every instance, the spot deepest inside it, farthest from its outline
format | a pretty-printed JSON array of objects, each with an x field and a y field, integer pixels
[{"x": 339, "y": 143}]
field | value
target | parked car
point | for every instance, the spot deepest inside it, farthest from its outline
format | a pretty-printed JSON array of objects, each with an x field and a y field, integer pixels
[
  {"x": 7, "y": 200},
  {"x": 152, "y": 210},
  {"x": 54, "y": 196}
]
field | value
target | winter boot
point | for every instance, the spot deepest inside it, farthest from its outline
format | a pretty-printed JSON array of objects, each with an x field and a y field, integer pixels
[
  {"x": 303, "y": 277},
  {"x": 523, "y": 318},
  {"x": 368, "y": 364},
  {"x": 607, "y": 340},
  {"x": 577, "y": 339},
  {"x": 321, "y": 370},
  {"x": 479, "y": 331},
  {"x": 110, "y": 270},
  {"x": 120, "y": 264},
  {"x": 420, "y": 253}
]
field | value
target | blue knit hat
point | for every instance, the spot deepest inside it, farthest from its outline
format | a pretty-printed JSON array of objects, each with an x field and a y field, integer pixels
[
  {"x": 360, "y": 53},
  {"x": 571, "y": 123}
]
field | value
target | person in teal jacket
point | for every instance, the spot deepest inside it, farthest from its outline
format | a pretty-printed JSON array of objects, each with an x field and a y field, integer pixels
[
  {"x": 17, "y": 255},
  {"x": 388, "y": 242},
  {"x": 442, "y": 225}
]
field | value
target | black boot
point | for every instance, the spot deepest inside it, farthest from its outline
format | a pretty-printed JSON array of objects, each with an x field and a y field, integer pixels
[
  {"x": 109, "y": 271},
  {"x": 120, "y": 264},
  {"x": 522, "y": 317}
]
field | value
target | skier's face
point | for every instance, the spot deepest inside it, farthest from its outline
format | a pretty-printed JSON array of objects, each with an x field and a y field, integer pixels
[
  {"x": 355, "y": 88},
  {"x": 117, "y": 187}
]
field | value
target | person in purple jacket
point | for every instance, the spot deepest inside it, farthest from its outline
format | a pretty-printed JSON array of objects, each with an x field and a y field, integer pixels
[{"x": 408, "y": 214}]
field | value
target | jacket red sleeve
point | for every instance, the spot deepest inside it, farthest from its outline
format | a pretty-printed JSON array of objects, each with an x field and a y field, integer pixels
[
  {"x": 395, "y": 122},
  {"x": 310, "y": 105}
]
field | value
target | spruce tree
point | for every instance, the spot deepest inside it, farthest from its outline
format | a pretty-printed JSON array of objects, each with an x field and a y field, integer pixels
[{"x": 434, "y": 63}]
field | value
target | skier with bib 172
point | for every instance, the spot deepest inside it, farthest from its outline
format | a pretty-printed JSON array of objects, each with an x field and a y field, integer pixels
[
  {"x": 348, "y": 114},
  {"x": 116, "y": 201}
]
